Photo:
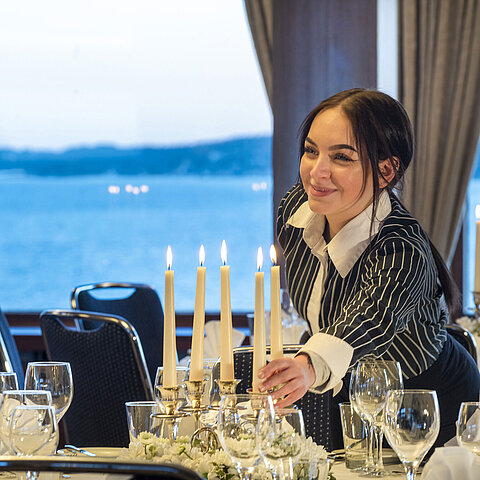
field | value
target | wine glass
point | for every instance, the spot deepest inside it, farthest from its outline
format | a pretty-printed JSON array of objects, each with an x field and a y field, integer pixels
[
  {"x": 32, "y": 427},
  {"x": 14, "y": 398},
  {"x": 281, "y": 439},
  {"x": 369, "y": 390},
  {"x": 8, "y": 381},
  {"x": 56, "y": 377},
  {"x": 181, "y": 377},
  {"x": 237, "y": 424},
  {"x": 394, "y": 377},
  {"x": 412, "y": 423},
  {"x": 468, "y": 426}
]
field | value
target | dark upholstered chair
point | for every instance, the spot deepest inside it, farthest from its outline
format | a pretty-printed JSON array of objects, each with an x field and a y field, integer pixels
[
  {"x": 464, "y": 338},
  {"x": 108, "y": 369},
  {"x": 315, "y": 407},
  {"x": 9, "y": 357},
  {"x": 137, "y": 303}
]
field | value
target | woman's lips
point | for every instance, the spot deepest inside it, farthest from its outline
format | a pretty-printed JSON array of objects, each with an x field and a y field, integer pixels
[{"x": 321, "y": 191}]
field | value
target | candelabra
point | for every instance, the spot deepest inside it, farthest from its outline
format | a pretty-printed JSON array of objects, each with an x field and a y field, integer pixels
[{"x": 171, "y": 403}]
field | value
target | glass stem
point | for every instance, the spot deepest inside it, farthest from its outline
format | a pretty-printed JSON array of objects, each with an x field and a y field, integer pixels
[
  {"x": 31, "y": 475},
  {"x": 369, "y": 463},
  {"x": 379, "y": 451},
  {"x": 410, "y": 469}
]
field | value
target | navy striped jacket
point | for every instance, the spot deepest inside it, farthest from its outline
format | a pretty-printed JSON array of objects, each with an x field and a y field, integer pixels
[{"x": 388, "y": 305}]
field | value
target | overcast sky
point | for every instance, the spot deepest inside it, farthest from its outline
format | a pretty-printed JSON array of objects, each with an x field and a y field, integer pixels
[{"x": 127, "y": 72}]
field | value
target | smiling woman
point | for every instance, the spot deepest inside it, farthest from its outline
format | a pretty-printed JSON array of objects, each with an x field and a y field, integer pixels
[{"x": 98, "y": 102}]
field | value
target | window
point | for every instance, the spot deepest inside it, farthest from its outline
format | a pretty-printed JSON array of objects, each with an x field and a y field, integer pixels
[{"x": 126, "y": 127}]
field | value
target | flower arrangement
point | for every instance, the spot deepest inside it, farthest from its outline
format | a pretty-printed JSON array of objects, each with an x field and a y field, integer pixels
[
  {"x": 470, "y": 324},
  {"x": 215, "y": 465}
]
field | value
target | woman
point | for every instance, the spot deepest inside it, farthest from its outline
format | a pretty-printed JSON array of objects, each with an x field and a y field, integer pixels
[{"x": 359, "y": 268}]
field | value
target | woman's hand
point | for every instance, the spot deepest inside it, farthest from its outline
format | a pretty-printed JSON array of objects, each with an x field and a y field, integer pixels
[{"x": 295, "y": 375}]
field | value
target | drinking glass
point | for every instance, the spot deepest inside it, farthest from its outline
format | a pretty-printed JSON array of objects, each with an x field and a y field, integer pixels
[
  {"x": 8, "y": 381},
  {"x": 237, "y": 424},
  {"x": 412, "y": 423},
  {"x": 468, "y": 426},
  {"x": 181, "y": 377},
  {"x": 56, "y": 377},
  {"x": 281, "y": 439},
  {"x": 394, "y": 377},
  {"x": 369, "y": 390},
  {"x": 14, "y": 398},
  {"x": 31, "y": 427},
  {"x": 139, "y": 418}
]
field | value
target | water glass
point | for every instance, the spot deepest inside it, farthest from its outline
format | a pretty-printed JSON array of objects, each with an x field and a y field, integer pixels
[
  {"x": 282, "y": 449},
  {"x": 139, "y": 418},
  {"x": 468, "y": 426},
  {"x": 237, "y": 428},
  {"x": 56, "y": 377},
  {"x": 412, "y": 423},
  {"x": 354, "y": 437},
  {"x": 8, "y": 381}
]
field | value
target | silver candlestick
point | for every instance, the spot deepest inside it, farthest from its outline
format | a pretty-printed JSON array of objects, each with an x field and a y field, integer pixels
[{"x": 171, "y": 403}]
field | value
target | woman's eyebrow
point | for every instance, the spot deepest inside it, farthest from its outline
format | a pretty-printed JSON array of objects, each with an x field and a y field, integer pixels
[
  {"x": 309, "y": 140},
  {"x": 341, "y": 146}
]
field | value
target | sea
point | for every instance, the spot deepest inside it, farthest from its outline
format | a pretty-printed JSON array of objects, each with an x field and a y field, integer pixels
[{"x": 61, "y": 232}]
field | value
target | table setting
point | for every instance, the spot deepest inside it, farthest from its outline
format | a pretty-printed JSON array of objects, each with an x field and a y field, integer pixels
[{"x": 199, "y": 421}]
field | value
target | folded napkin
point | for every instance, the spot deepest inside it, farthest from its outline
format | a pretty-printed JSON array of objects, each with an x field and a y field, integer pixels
[
  {"x": 452, "y": 463},
  {"x": 211, "y": 346}
]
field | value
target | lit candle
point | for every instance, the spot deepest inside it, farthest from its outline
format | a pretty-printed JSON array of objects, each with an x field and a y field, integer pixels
[
  {"x": 169, "y": 346},
  {"x": 259, "y": 342},
  {"x": 477, "y": 252},
  {"x": 276, "y": 334},
  {"x": 226, "y": 345},
  {"x": 196, "y": 364}
]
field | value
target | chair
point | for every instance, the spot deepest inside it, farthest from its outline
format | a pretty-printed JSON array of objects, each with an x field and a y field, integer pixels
[
  {"x": 464, "y": 338},
  {"x": 138, "y": 303},
  {"x": 9, "y": 357},
  {"x": 316, "y": 407},
  {"x": 108, "y": 369}
]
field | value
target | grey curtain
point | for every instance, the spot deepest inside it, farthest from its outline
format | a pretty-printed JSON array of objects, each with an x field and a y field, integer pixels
[
  {"x": 260, "y": 18},
  {"x": 439, "y": 84}
]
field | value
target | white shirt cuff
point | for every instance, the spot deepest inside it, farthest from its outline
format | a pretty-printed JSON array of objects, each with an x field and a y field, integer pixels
[{"x": 331, "y": 352}]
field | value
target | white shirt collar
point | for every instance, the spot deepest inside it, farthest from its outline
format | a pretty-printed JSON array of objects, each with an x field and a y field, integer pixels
[{"x": 350, "y": 242}]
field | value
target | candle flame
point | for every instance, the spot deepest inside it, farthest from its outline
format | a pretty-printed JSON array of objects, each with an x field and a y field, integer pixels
[
  {"x": 273, "y": 255},
  {"x": 201, "y": 255},
  {"x": 169, "y": 257},
  {"x": 477, "y": 212},
  {"x": 259, "y": 258},
  {"x": 224, "y": 252}
]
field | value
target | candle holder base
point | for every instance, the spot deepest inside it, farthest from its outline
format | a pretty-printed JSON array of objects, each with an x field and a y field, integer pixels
[
  {"x": 476, "y": 301},
  {"x": 171, "y": 420},
  {"x": 205, "y": 439}
]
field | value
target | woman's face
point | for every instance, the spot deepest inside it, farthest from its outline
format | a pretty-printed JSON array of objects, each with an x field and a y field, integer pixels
[{"x": 332, "y": 172}]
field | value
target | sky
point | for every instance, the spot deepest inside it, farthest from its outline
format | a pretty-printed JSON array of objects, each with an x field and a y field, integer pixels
[{"x": 127, "y": 73}]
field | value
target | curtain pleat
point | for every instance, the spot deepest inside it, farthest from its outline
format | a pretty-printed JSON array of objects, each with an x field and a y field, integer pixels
[{"x": 439, "y": 84}]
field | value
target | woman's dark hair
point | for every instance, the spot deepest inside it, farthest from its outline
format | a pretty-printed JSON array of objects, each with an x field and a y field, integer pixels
[{"x": 382, "y": 131}]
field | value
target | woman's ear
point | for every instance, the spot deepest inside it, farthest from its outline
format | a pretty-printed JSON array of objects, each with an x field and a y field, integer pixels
[{"x": 388, "y": 168}]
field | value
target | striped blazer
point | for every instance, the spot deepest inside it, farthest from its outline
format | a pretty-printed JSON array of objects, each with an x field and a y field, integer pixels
[{"x": 389, "y": 303}]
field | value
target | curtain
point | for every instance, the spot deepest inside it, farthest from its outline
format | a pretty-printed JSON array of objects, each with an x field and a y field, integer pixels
[
  {"x": 260, "y": 18},
  {"x": 439, "y": 85}
]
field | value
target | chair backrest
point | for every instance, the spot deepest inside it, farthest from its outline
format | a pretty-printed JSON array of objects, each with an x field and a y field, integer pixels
[
  {"x": 464, "y": 338},
  {"x": 108, "y": 369},
  {"x": 315, "y": 407},
  {"x": 9, "y": 357},
  {"x": 138, "y": 303}
]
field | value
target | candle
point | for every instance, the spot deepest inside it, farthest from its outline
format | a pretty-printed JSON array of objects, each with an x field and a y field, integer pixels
[
  {"x": 196, "y": 363},
  {"x": 226, "y": 345},
  {"x": 276, "y": 334},
  {"x": 169, "y": 346},
  {"x": 259, "y": 343},
  {"x": 477, "y": 252}
]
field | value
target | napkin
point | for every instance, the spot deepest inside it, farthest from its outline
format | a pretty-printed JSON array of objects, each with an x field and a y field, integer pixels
[
  {"x": 211, "y": 346},
  {"x": 452, "y": 463}
]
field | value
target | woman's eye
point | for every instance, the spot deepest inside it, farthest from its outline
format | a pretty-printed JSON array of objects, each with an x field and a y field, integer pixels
[
  {"x": 343, "y": 157},
  {"x": 309, "y": 150}
]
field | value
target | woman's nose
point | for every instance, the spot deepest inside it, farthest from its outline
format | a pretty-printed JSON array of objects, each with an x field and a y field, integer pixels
[{"x": 321, "y": 168}]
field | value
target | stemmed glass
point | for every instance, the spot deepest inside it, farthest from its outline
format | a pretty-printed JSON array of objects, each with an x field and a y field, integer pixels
[
  {"x": 368, "y": 389},
  {"x": 468, "y": 426},
  {"x": 412, "y": 423},
  {"x": 283, "y": 448},
  {"x": 31, "y": 427},
  {"x": 56, "y": 377},
  {"x": 11, "y": 399},
  {"x": 8, "y": 381},
  {"x": 237, "y": 424}
]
